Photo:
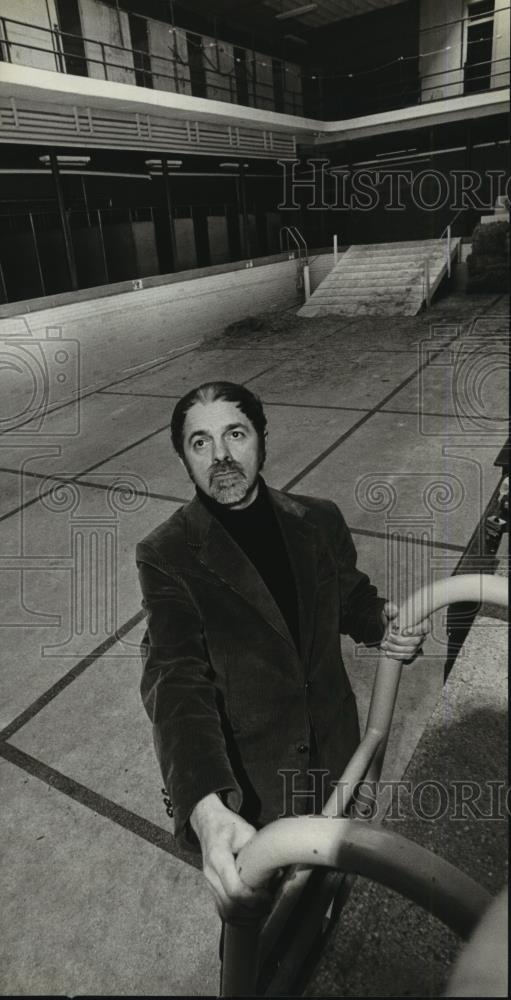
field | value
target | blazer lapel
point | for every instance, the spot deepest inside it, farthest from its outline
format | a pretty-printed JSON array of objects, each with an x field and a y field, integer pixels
[
  {"x": 300, "y": 540},
  {"x": 216, "y": 549}
]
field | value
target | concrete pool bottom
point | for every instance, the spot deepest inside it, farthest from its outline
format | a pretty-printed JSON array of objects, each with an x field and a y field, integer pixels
[{"x": 94, "y": 731}]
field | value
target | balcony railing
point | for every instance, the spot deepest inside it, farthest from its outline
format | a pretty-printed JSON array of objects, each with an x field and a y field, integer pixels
[
  {"x": 408, "y": 80},
  {"x": 73, "y": 54}
]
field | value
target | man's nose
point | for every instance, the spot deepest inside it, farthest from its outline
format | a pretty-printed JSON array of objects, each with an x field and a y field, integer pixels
[{"x": 220, "y": 451}]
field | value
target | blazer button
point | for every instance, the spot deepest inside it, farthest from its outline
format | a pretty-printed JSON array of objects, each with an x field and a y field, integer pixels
[
  {"x": 169, "y": 808},
  {"x": 302, "y": 748}
]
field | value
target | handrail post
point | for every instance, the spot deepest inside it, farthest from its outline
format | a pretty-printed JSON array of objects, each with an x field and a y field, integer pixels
[
  {"x": 427, "y": 282},
  {"x": 103, "y": 60},
  {"x": 306, "y": 280},
  {"x": 336, "y": 250},
  {"x": 102, "y": 243},
  {"x": 3, "y": 284},
  {"x": 37, "y": 254},
  {"x": 55, "y": 48},
  {"x": 57, "y": 34},
  {"x": 449, "y": 251},
  {"x": 5, "y": 40},
  {"x": 240, "y": 959}
]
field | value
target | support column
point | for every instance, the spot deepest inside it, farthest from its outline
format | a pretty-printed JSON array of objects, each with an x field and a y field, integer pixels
[
  {"x": 472, "y": 216},
  {"x": 242, "y": 203},
  {"x": 64, "y": 222},
  {"x": 435, "y": 225},
  {"x": 119, "y": 22},
  {"x": 170, "y": 213}
]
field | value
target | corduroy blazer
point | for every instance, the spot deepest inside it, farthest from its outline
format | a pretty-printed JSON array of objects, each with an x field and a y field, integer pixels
[{"x": 230, "y": 696}]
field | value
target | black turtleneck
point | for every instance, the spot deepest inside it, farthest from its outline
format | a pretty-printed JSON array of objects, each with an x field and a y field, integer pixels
[{"x": 257, "y": 532}]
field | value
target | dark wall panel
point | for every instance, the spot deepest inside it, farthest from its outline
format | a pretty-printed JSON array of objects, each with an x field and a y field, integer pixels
[
  {"x": 90, "y": 264},
  {"x": 120, "y": 251},
  {"x": 52, "y": 252},
  {"x": 144, "y": 242},
  {"x": 19, "y": 265},
  {"x": 380, "y": 49}
]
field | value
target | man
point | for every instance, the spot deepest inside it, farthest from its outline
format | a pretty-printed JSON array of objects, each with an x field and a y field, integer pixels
[{"x": 246, "y": 590}]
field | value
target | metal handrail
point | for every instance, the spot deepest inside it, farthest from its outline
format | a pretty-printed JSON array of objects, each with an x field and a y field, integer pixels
[
  {"x": 447, "y": 233},
  {"x": 298, "y": 240},
  {"x": 451, "y": 223},
  {"x": 426, "y": 276},
  {"x": 353, "y": 845},
  {"x": 302, "y": 240},
  {"x": 367, "y": 760}
]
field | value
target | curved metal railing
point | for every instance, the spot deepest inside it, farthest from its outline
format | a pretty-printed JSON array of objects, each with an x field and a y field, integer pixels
[
  {"x": 298, "y": 239},
  {"x": 354, "y": 846}
]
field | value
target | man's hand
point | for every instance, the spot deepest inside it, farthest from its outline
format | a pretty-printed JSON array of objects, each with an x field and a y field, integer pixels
[
  {"x": 405, "y": 646},
  {"x": 222, "y": 833}
]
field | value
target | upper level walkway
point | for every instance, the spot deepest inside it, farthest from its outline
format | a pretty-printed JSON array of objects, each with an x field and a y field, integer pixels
[
  {"x": 98, "y": 86},
  {"x": 42, "y": 106}
]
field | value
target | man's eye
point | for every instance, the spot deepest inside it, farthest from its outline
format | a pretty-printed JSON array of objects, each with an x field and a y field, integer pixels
[
  {"x": 198, "y": 443},
  {"x": 237, "y": 434}
]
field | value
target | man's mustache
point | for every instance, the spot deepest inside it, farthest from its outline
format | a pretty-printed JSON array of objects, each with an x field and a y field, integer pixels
[{"x": 222, "y": 467}]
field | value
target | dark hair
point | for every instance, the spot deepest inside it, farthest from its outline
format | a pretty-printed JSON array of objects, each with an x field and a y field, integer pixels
[{"x": 209, "y": 392}]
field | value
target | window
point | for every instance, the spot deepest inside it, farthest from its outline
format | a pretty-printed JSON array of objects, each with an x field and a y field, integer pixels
[
  {"x": 481, "y": 8},
  {"x": 196, "y": 64},
  {"x": 479, "y": 45}
]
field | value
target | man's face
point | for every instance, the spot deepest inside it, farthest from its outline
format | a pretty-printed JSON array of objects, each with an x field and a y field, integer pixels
[{"x": 222, "y": 452}]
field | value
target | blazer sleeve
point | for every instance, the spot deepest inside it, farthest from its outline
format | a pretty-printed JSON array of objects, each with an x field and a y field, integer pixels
[
  {"x": 180, "y": 697},
  {"x": 361, "y": 608}
]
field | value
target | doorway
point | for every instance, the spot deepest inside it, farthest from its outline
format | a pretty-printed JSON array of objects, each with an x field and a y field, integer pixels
[
  {"x": 240, "y": 72},
  {"x": 70, "y": 38},
  {"x": 140, "y": 44}
]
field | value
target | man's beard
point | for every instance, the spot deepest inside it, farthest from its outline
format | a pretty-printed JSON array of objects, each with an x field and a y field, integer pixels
[{"x": 228, "y": 483}]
